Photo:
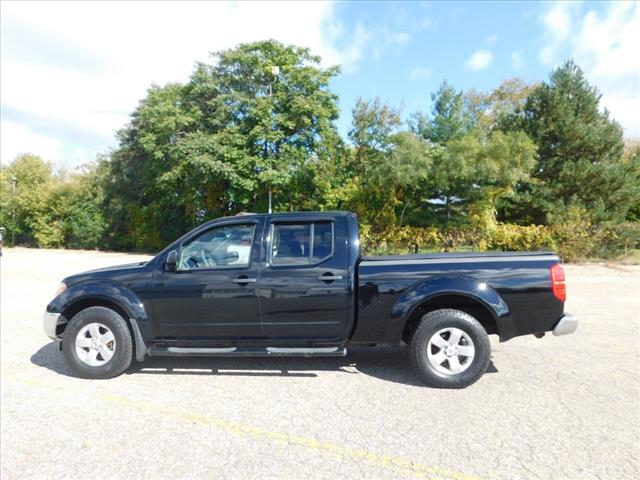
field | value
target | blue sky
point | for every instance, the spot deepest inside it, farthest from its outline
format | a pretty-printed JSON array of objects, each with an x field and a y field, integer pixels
[
  {"x": 72, "y": 72},
  {"x": 434, "y": 41}
]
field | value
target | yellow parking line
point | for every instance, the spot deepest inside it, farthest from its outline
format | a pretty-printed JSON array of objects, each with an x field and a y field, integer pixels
[
  {"x": 309, "y": 443},
  {"x": 402, "y": 465}
]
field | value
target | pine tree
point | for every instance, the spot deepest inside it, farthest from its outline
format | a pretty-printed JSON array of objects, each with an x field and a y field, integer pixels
[{"x": 579, "y": 152}]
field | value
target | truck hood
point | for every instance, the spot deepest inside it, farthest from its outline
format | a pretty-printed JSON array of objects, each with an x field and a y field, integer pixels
[{"x": 104, "y": 273}]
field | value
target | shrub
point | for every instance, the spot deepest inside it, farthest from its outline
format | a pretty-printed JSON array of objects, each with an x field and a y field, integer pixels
[
  {"x": 510, "y": 237},
  {"x": 400, "y": 240},
  {"x": 574, "y": 240},
  {"x": 575, "y": 237},
  {"x": 617, "y": 240}
]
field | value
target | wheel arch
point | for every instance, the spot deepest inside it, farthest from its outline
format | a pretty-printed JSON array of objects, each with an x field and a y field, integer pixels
[
  {"x": 469, "y": 305},
  {"x": 77, "y": 305},
  {"x": 466, "y": 294}
]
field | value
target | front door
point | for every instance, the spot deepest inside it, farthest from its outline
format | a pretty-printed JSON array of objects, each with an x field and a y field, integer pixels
[
  {"x": 304, "y": 284},
  {"x": 212, "y": 295}
]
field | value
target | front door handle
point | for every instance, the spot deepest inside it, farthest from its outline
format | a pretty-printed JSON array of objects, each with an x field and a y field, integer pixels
[
  {"x": 327, "y": 277},
  {"x": 244, "y": 281}
]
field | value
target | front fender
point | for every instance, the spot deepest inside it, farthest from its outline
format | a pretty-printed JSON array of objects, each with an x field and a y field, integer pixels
[
  {"x": 468, "y": 287},
  {"x": 111, "y": 292},
  {"x": 103, "y": 290}
]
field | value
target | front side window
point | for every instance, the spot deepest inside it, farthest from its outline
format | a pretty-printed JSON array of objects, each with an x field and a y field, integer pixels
[
  {"x": 224, "y": 246},
  {"x": 301, "y": 243}
]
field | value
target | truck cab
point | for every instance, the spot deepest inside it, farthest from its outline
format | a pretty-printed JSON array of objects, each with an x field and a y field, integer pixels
[{"x": 282, "y": 278}]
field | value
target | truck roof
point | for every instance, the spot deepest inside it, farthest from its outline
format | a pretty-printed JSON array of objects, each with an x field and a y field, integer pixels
[{"x": 336, "y": 213}]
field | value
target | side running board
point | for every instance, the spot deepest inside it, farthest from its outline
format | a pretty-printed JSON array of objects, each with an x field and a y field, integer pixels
[{"x": 247, "y": 352}]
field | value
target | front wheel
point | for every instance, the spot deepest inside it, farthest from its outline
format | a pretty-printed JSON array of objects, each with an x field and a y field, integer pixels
[
  {"x": 97, "y": 343},
  {"x": 450, "y": 349}
]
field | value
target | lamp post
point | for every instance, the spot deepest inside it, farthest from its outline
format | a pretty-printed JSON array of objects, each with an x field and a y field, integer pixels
[
  {"x": 14, "y": 180},
  {"x": 275, "y": 71}
]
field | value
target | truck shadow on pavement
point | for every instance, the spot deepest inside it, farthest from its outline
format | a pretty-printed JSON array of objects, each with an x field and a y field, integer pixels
[{"x": 385, "y": 363}]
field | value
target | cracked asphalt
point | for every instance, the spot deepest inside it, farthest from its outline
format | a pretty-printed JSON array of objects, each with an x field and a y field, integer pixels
[{"x": 556, "y": 408}]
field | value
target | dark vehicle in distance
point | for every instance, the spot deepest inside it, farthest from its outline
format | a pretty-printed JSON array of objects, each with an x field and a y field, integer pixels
[{"x": 295, "y": 284}]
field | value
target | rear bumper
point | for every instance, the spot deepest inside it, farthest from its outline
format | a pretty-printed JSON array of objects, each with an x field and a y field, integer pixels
[{"x": 567, "y": 324}]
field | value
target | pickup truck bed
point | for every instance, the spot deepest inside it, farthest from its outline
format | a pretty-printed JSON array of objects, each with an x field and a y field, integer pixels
[{"x": 506, "y": 284}]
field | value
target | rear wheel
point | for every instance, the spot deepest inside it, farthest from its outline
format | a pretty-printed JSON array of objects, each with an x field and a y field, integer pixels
[
  {"x": 450, "y": 349},
  {"x": 97, "y": 343}
]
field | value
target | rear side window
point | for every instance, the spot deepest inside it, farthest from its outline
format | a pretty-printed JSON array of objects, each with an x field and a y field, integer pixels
[{"x": 301, "y": 243}]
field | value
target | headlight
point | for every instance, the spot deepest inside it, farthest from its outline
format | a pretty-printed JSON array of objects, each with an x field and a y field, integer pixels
[{"x": 61, "y": 288}]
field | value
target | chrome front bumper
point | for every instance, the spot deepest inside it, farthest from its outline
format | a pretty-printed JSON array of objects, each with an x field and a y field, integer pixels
[
  {"x": 50, "y": 322},
  {"x": 567, "y": 324}
]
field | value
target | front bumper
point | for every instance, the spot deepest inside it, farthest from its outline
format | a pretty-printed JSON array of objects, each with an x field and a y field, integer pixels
[
  {"x": 567, "y": 324},
  {"x": 50, "y": 323}
]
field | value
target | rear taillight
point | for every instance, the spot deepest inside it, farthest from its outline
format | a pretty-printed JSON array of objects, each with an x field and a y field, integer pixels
[{"x": 558, "y": 286}]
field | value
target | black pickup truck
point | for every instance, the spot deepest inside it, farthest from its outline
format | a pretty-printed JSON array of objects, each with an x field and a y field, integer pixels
[{"x": 295, "y": 284}]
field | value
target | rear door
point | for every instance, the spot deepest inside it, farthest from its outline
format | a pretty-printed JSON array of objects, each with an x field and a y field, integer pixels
[{"x": 304, "y": 286}]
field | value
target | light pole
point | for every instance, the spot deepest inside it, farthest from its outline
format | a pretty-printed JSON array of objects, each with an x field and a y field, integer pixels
[
  {"x": 275, "y": 71},
  {"x": 14, "y": 180}
]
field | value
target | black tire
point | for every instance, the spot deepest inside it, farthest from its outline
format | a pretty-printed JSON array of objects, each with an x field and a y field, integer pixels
[
  {"x": 435, "y": 321},
  {"x": 122, "y": 353}
]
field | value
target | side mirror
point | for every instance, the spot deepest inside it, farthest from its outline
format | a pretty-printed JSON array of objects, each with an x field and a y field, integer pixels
[{"x": 171, "y": 262}]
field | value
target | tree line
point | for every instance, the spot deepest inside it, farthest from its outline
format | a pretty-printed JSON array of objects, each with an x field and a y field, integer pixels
[{"x": 256, "y": 128}]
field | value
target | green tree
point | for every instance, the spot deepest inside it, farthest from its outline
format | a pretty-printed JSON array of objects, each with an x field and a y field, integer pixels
[
  {"x": 239, "y": 130},
  {"x": 631, "y": 172},
  {"x": 383, "y": 175},
  {"x": 448, "y": 122},
  {"x": 51, "y": 210},
  {"x": 19, "y": 212},
  {"x": 373, "y": 124},
  {"x": 449, "y": 118},
  {"x": 84, "y": 220},
  {"x": 360, "y": 188},
  {"x": 405, "y": 172},
  {"x": 277, "y": 100},
  {"x": 145, "y": 209},
  {"x": 496, "y": 109},
  {"x": 579, "y": 153},
  {"x": 474, "y": 165}
]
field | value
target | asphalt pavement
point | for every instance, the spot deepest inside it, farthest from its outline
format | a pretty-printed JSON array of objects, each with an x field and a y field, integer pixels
[{"x": 552, "y": 408}]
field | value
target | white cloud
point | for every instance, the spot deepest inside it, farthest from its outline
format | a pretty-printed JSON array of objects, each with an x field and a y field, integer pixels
[
  {"x": 399, "y": 38},
  {"x": 387, "y": 40},
  {"x": 352, "y": 47},
  {"x": 517, "y": 60},
  {"x": 77, "y": 69},
  {"x": 606, "y": 47},
  {"x": 456, "y": 12},
  {"x": 419, "y": 73},
  {"x": 480, "y": 60},
  {"x": 491, "y": 39},
  {"x": 558, "y": 23},
  {"x": 426, "y": 23},
  {"x": 17, "y": 139}
]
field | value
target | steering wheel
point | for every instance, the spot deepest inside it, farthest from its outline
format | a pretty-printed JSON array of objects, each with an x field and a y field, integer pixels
[
  {"x": 190, "y": 263},
  {"x": 206, "y": 259}
]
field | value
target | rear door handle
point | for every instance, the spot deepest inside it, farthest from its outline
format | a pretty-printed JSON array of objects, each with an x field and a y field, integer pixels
[
  {"x": 244, "y": 281},
  {"x": 329, "y": 277}
]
